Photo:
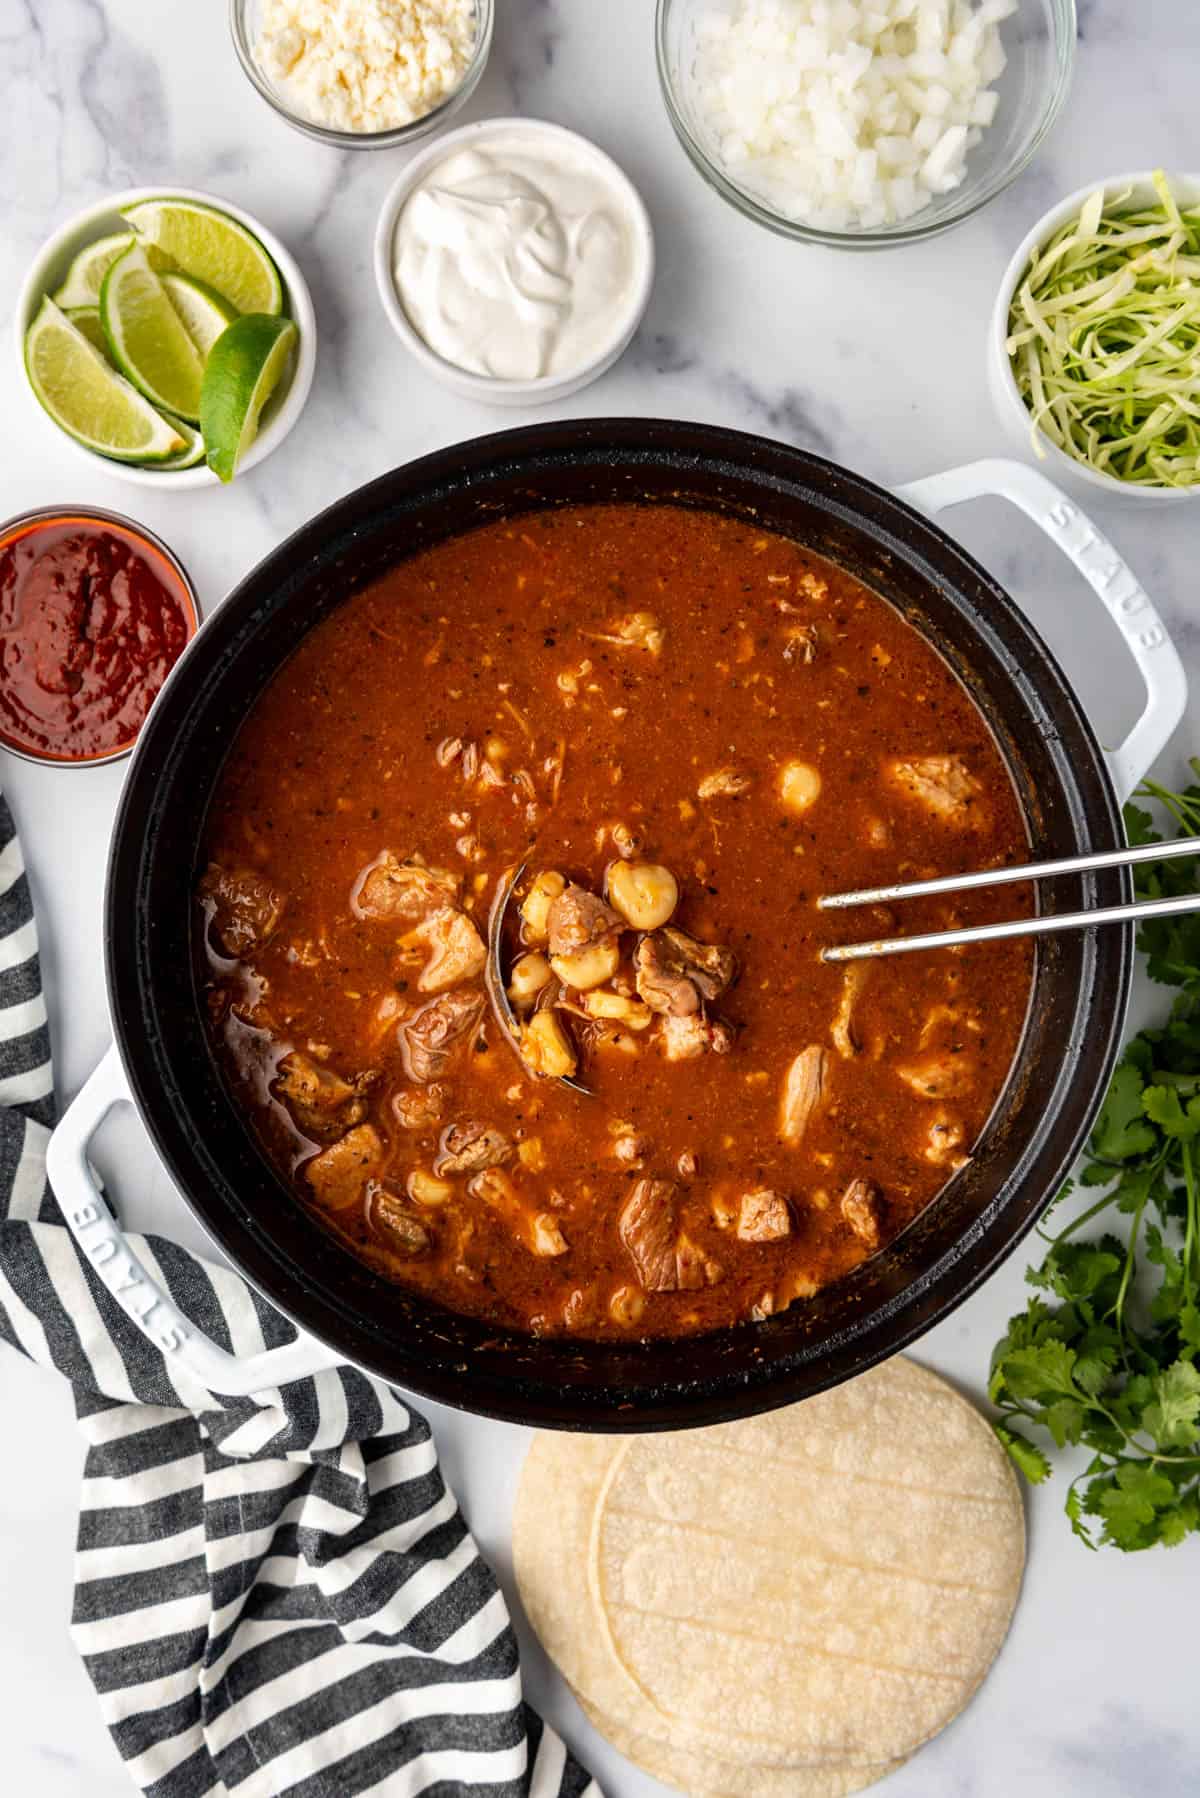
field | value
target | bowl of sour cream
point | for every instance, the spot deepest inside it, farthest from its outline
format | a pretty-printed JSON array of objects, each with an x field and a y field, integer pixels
[{"x": 514, "y": 260}]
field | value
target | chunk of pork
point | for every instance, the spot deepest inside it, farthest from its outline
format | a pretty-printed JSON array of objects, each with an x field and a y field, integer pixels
[
  {"x": 942, "y": 1074},
  {"x": 338, "y": 1176},
  {"x": 683, "y": 1039},
  {"x": 323, "y": 1104},
  {"x": 577, "y": 918},
  {"x": 944, "y": 785},
  {"x": 676, "y": 974},
  {"x": 803, "y": 1092},
  {"x": 862, "y": 1206},
  {"x": 428, "y": 1039},
  {"x": 455, "y": 947},
  {"x": 244, "y": 908},
  {"x": 763, "y": 1216},
  {"x": 394, "y": 892},
  {"x": 468, "y": 1147}
]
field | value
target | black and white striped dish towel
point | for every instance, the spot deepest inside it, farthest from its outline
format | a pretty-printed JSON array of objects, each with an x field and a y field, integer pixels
[{"x": 273, "y": 1596}]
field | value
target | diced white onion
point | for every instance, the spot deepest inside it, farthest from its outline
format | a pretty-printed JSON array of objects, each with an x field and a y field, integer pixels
[{"x": 848, "y": 114}]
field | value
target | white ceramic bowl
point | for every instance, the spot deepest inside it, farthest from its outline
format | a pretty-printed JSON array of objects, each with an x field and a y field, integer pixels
[
  {"x": 1013, "y": 413},
  {"x": 492, "y": 391},
  {"x": 286, "y": 403}
]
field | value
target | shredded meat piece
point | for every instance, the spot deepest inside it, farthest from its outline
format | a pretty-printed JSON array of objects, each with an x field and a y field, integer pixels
[
  {"x": 726, "y": 783},
  {"x": 577, "y": 919},
  {"x": 417, "y": 1108},
  {"x": 685, "y": 1038},
  {"x": 763, "y": 1216},
  {"x": 800, "y": 645},
  {"x": 643, "y": 629},
  {"x": 640, "y": 630},
  {"x": 536, "y": 1230},
  {"x": 942, "y": 1074},
  {"x": 945, "y": 1141},
  {"x": 862, "y": 1205},
  {"x": 580, "y": 1307},
  {"x": 845, "y": 1039},
  {"x": 694, "y": 1267},
  {"x": 545, "y": 1236},
  {"x": 426, "y": 1040},
  {"x": 944, "y": 785},
  {"x": 953, "y": 1015},
  {"x": 392, "y": 892},
  {"x": 323, "y": 1104},
  {"x": 466, "y": 1148},
  {"x": 456, "y": 950},
  {"x": 675, "y": 973},
  {"x": 647, "y": 1227},
  {"x": 631, "y": 1150},
  {"x": 803, "y": 1091},
  {"x": 246, "y": 909},
  {"x": 338, "y": 1175},
  {"x": 662, "y": 982},
  {"x": 404, "y": 1232}
]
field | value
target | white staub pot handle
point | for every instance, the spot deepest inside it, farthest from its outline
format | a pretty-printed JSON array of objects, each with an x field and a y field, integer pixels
[
  {"x": 109, "y": 1252},
  {"x": 1109, "y": 576}
]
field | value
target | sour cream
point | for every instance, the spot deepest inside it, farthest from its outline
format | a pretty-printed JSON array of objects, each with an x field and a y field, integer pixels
[{"x": 522, "y": 254}]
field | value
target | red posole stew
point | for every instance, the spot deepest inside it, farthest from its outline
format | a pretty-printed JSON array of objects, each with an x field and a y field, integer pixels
[
  {"x": 685, "y": 730},
  {"x": 93, "y": 616}
]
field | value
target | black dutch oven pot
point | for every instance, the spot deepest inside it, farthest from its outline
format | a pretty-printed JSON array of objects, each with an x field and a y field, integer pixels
[{"x": 163, "y": 1060}]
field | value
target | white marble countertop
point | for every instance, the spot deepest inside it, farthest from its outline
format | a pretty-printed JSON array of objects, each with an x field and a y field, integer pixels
[{"x": 876, "y": 361}]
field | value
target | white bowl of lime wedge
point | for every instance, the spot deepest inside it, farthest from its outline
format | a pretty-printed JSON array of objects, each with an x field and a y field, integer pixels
[{"x": 116, "y": 321}]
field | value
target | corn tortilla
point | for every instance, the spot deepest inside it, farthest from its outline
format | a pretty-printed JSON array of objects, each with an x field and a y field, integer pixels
[
  {"x": 703, "y": 1775},
  {"x": 848, "y": 1567}
]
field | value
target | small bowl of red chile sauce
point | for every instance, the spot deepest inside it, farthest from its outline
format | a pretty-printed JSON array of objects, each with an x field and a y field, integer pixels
[{"x": 94, "y": 613}]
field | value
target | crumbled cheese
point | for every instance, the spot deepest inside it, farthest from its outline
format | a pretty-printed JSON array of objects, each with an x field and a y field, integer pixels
[{"x": 366, "y": 65}]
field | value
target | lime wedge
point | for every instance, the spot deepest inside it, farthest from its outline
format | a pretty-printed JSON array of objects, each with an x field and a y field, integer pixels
[
  {"x": 87, "y": 398},
  {"x": 82, "y": 285},
  {"x": 204, "y": 312},
  {"x": 213, "y": 248},
  {"x": 87, "y": 320},
  {"x": 242, "y": 371},
  {"x": 193, "y": 451},
  {"x": 146, "y": 336}
]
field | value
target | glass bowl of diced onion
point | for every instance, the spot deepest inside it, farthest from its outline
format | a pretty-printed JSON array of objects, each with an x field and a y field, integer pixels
[
  {"x": 863, "y": 123},
  {"x": 351, "y": 94}
]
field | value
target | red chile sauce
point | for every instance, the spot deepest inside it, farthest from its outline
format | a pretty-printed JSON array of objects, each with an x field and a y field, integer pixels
[{"x": 92, "y": 618}]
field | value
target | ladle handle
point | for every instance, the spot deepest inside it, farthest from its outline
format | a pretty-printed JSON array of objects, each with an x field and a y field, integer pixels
[
  {"x": 1108, "y": 575},
  {"x": 192, "y": 1358}
]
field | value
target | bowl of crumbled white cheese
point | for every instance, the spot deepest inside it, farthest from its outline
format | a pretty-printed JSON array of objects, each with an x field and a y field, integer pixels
[
  {"x": 863, "y": 123},
  {"x": 363, "y": 74}
]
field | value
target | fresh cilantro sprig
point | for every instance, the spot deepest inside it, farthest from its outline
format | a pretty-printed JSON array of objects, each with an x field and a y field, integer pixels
[{"x": 1105, "y": 1355}]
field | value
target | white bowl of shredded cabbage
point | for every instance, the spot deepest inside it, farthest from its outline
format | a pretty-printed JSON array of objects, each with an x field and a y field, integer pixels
[
  {"x": 1094, "y": 340},
  {"x": 863, "y": 123}
]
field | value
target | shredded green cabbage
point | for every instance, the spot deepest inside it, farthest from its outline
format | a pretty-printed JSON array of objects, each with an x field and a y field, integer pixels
[{"x": 1104, "y": 337}]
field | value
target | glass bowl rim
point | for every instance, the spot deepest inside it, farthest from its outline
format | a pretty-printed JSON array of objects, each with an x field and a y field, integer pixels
[
  {"x": 875, "y": 238},
  {"x": 392, "y": 135}
]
